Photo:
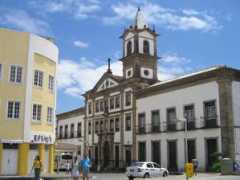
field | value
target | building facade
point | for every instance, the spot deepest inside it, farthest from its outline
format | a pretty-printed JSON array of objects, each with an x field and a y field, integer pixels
[
  {"x": 70, "y": 132},
  {"x": 27, "y": 101},
  {"x": 206, "y": 103},
  {"x": 136, "y": 117},
  {"x": 111, "y": 104}
]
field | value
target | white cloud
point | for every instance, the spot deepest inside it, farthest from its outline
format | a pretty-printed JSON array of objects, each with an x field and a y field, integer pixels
[
  {"x": 80, "y": 44},
  {"x": 172, "y": 65},
  {"x": 79, "y": 9},
  {"x": 78, "y": 77},
  {"x": 21, "y": 20},
  {"x": 74, "y": 78},
  {"x": 186, "y": 19}
]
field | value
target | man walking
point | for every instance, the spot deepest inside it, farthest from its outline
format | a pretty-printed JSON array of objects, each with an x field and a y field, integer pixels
[{"x": 85, "y": 165}]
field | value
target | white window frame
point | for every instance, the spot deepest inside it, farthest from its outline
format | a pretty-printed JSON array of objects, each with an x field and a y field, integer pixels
[
  {"x": 37, "y": 118},
  {"x": 13, "y": 110},
  {"x": 38, "y": 78},
  {"x": 50, "y": 114},
  {"x": 51, "y": 83},
  {"x": 17, "y": 67}
]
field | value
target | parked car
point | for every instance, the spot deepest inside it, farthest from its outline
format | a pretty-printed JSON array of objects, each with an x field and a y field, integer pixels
[{"x": 145, "y": 170}]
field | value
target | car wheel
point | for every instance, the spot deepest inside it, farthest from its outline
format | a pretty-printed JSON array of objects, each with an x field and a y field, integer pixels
[
  {"x": 165, "y": 174},
  {"x": 130, "y": 178},
  {"x": 146, "y": 175}
]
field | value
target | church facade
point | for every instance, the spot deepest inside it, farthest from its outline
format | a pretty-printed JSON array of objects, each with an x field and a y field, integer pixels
[{"x": 111, "y": 104}]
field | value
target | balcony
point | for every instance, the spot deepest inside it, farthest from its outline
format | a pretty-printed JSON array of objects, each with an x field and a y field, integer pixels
[
  {"x": 210, "y": 122},
  {"x": 191, "y": 125},
  {"x": 172, "y": 126},
  {"x": 155, "y": 128},
  {"x": 141, "y": 130}
]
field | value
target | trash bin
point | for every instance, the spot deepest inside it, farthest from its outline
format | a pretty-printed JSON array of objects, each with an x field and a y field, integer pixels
[{"x": 226, "y": 166}]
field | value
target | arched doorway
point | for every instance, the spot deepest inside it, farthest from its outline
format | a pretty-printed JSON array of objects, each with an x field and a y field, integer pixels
[{"x": 106, "y": 154}]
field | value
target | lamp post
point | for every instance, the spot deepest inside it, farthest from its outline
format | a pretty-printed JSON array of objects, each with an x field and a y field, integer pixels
[{"x": 185, "y": 143}]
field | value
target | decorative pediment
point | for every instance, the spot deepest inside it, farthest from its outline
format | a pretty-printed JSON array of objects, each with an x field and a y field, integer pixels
[
  {"x": 107, "y": 83},
  {"x": 108, "y": 80}
]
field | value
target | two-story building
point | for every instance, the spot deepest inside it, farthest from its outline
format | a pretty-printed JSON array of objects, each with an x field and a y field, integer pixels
[
  {"x": 27, "y": 101},
  {"x": 200, "y": 109},
  {"x": 70, "y": 133}
]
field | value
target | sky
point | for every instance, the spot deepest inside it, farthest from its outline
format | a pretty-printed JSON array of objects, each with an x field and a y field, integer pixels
[{"x": 194, "y": 35}]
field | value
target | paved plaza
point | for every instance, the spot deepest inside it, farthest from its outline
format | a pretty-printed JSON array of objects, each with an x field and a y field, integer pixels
[{"x": 171, "y": 177}]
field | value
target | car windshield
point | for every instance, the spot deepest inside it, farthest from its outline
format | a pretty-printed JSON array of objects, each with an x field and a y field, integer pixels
[{"x": 138, "y": 164}]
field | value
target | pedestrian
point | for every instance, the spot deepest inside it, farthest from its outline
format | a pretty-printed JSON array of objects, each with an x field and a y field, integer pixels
[
  {"x": 195, "y": 166},
  {"x": 85, "y": 165},
  {"x": 75, "y": 169},
  {"x": 37, "y": 166},
  {"x": 68, "y": 168}
]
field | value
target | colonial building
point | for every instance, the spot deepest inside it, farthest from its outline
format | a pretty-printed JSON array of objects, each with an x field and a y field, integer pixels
[
  {"x": 137, "y": 117},
  {"x": 111, "y": 104},
  {"x": 27, "y": 101},
  {"x": 70, "y": 132},
  {"x": 202, "y": 108}
]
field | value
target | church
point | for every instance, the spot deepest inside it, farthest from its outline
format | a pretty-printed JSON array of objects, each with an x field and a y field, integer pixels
[{"x": 138, "y": 117}]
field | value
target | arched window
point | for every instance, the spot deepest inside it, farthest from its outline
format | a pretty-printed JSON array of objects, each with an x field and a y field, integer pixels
[
  {"x": 146, "y": 47},
  {"x": 129, "y": 47}
]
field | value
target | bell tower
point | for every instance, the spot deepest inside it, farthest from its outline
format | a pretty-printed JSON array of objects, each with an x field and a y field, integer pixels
[{"x": 140, "y": 50}]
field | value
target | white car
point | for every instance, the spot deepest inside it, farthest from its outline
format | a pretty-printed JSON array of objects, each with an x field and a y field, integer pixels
[{"x": 145, "y": 170}]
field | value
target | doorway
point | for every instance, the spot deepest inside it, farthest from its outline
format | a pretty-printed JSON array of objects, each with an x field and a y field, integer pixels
[
  {"x": 117, "y": 156},
  {"x": 156, "y": 152},
  {"x": 142, "y": 151},
  {"x": 211, "y": 148},
  {"x": 106, "y": 154},
  {"x": 128, "y": 157},
  {"x": 191, "y": 147},
  {"x": 172, "y": 156}
]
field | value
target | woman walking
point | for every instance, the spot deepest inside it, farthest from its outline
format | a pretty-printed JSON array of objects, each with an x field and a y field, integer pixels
[
  {"x": 37, "y": 166},
  {"x": 75, "y": 169}
]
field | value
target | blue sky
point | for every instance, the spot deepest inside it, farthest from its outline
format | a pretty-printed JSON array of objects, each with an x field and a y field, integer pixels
[{"x": 194, "y": 34}]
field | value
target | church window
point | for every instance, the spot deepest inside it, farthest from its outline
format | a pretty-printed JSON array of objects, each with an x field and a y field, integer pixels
[
  {"x": 101, "y": 106},
  {"x": 146, "y": 47},
  {"x": 111, "y": 125},
  {"x": 97, "y": 106},
  {"x": 89, "y": 128},
  {"x": 129, "y": 47},
  {"x": 112, "y": 102},
  {"x": 96, "y": 127},
  {"x": 128, "y": 122},
  {"x": 117, "y": 101},
  {"x": 128, "y": 98},
  {"x": 117, "y": 124},
  {"x": 146, "y": 72},
  {"x": 89, "y": 108}
]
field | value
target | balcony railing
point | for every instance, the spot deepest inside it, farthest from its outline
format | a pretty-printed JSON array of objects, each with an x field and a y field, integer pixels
[{"x": 178, "y": 125}]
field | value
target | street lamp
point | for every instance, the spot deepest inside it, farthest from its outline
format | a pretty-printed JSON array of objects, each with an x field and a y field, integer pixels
[{"x": 185, "y": 142}]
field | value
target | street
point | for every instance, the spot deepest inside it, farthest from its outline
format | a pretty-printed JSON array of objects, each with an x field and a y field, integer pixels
[{"x": 171, "y": 177}]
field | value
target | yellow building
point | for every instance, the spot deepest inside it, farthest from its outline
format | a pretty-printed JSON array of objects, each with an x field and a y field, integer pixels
[{"x": 27, "y": 101}]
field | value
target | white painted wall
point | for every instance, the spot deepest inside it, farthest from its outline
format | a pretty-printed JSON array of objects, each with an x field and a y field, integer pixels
[
  {"x": 75, "y": 120},
  {"x": 178, "y": 98},
  {"x": 192, "y": 95}
]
